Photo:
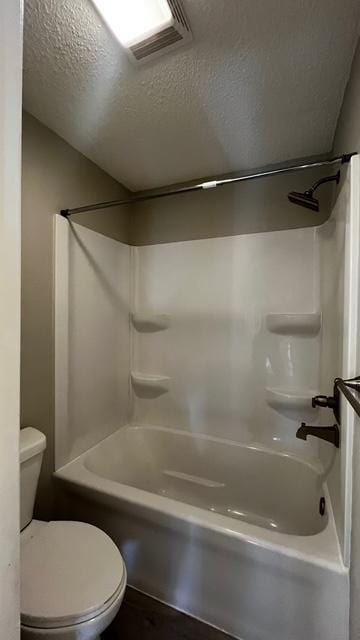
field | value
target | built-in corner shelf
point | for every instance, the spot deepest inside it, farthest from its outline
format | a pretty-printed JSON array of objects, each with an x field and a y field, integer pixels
[
  {"x": 294, "y": 404},
  {"x": 294, "y": 324},
  {"x": 150, "y": 322},
  {"x": 148, "y": 385}
]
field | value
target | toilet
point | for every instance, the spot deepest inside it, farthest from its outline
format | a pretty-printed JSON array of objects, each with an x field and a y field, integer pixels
[{"x": 73, "y": 577}]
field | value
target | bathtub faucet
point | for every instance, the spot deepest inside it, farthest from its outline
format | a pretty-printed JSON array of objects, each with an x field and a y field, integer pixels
[{"x": 330, "y": 434}]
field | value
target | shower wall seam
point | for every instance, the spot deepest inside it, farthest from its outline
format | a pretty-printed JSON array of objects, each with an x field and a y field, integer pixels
[{"x": 132, "y": 347}]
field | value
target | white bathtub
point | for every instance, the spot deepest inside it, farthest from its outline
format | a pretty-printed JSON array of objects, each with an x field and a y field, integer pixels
[{"x": 229, "y": 533}]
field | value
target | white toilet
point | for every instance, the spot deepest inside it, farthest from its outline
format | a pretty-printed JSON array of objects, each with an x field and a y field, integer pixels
[{"x": 73, "y": 577}]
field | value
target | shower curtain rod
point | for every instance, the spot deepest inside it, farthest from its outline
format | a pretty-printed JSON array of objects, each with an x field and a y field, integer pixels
[{"x": 209, "y": 184}]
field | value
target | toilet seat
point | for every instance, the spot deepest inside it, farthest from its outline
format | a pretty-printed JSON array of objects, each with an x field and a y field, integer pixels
[{"x": 71, "y": 572}]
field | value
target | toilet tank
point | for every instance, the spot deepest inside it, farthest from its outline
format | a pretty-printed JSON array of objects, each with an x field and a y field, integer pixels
[{"x": 32, "y": 447}]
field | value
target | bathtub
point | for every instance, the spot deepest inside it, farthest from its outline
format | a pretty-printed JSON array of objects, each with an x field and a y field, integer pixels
[{"x": 229, "y": 533}]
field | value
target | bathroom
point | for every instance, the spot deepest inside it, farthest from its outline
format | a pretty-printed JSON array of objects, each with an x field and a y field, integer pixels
[{"x": 180, "y": 225}]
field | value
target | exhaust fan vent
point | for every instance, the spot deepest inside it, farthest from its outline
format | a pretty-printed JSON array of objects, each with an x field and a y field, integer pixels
[{"x": 172, "y": 37}]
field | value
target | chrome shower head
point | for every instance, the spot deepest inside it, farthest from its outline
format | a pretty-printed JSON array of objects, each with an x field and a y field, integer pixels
[{"x": 306, "y": 198}]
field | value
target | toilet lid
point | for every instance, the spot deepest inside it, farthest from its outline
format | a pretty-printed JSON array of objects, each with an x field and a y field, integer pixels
[{"x": 70, "y": 572}]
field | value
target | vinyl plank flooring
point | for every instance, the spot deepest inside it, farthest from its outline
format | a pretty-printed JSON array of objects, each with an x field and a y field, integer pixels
[{"x": 143, "y": 618}]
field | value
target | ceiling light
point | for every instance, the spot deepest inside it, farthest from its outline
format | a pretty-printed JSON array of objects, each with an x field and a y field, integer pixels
[
  {"x": 132, "y": 21},
  {"x": 145, "y": 27}
]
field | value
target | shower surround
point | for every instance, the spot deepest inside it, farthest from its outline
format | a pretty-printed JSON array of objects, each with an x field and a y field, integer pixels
[
  {"x": 183, "y": 371},
  {"x": 225, "y": 366}
]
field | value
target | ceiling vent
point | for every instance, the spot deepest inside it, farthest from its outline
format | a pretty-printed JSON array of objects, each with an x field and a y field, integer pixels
[{"x": 172, "y": 37}]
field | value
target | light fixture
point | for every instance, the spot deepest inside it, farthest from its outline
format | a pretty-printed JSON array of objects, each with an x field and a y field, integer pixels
[
  {"x": 132, "y": 21},
  {"x": 145, "y": 27}
]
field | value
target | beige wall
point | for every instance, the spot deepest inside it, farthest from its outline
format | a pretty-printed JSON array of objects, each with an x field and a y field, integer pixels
[
  {"x": 250, "y": 207},
  {"x": 55, "y": 176},
  {"x": 347, "y": 135},
  {"x": 347, "y": 139}
]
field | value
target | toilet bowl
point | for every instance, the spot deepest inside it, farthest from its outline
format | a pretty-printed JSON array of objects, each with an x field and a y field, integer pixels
[{"x": 73, "y": 578}]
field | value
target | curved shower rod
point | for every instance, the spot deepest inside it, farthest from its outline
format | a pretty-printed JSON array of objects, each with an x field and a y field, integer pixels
[{"x": 209, "y": 184}]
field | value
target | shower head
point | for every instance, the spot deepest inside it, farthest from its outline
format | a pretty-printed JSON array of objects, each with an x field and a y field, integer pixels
[{"x": 306, "y": 198}]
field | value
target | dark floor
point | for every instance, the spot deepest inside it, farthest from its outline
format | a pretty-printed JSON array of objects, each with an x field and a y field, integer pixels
[{"x": 141, "y": 617}]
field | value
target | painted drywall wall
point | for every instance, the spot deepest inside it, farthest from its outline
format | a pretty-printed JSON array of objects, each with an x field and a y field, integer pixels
[
  {"x": 347, "y": 135},
  {"x": 218, "y": 352},
  {"x": 347, "y": 138},
  {"x": 10, "y": 189},
  {"x": 250, "y": 207},
  {"x": 92, "y": 338},
  {"x": 54, "y": 176}
]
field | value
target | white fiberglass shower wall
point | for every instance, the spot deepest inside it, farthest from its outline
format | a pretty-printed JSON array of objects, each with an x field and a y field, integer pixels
[
  {"x": 239, "y": 353},
  {"x": 92, "y": 344},
  {"x": 218, "y": 336}
]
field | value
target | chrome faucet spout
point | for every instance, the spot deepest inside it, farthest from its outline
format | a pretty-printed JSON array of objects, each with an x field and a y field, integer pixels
[{"x": 329, "y": 434}]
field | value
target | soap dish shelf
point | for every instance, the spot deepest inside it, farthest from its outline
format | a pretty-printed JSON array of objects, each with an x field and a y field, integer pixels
[
  {"x": 149, "y": 385},
  {"x": 296, "y": 324},
  {"x": 150, "y": 322}
]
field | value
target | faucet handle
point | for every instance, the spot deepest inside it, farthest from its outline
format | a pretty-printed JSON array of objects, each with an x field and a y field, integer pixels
[{"x": 328, "y": 402}]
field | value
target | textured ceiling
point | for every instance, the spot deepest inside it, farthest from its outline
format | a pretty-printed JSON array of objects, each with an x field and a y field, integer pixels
[{"x": 262, "y": 82}]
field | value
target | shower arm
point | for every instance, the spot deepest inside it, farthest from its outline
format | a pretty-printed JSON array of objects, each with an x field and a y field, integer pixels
[
  {"x": 322, "y": 181},
  {"x": 205, "y": 185}
]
